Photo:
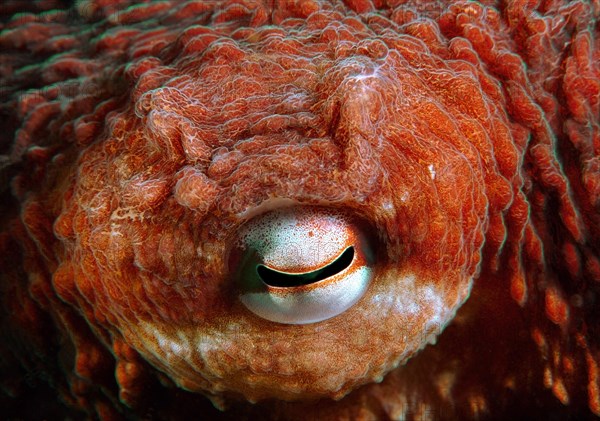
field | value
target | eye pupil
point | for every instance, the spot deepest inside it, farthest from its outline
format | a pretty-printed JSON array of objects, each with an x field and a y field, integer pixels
[{"x": 277, "y": 278}]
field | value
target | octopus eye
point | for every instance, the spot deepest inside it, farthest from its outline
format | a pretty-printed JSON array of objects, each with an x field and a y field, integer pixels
[{"x": 302, "y": 265}]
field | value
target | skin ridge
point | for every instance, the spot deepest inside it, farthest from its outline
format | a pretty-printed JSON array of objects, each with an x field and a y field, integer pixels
[{"x": 538, "y": 269}]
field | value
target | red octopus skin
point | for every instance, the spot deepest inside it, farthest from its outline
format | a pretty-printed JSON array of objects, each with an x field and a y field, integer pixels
[{"x": 139, "y": 137}]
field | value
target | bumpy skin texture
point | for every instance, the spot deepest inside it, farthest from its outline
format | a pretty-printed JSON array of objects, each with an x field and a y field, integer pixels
[{"x": 139, "y": 139}]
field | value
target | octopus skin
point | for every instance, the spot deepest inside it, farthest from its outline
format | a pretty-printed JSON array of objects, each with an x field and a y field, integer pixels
[{"x": 303, "y": 209}]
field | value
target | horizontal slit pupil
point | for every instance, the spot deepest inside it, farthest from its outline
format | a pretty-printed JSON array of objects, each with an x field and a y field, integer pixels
[{"x": 282, "y": 279}]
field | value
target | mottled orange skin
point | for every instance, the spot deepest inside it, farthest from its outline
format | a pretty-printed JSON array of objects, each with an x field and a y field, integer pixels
[{"x": 466, "y": 136}]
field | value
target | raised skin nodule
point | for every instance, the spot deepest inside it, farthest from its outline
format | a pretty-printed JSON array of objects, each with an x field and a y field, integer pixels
[{"x": 174, "y": 174}]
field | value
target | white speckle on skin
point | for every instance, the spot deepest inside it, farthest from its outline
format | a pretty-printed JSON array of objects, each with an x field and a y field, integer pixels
[
  {"x": 170, "y": 346},
  {"x": 434, "y": 302},
  {"x": 431, "y": 169}
]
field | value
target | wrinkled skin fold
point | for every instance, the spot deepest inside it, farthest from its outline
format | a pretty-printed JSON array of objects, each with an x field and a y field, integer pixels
[{"x": 454, "y": 146}]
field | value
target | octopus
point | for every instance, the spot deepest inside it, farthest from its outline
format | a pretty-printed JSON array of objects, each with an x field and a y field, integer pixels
[{"x": 300, "y": 209}]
